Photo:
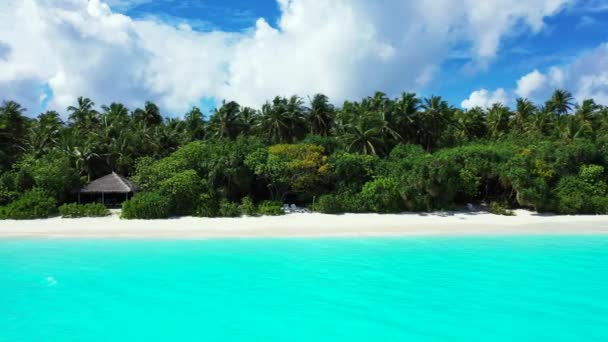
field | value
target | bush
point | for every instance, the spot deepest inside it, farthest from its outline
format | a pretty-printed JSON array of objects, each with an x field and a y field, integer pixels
[
  {"x": 146, "y": 205},
  {"x": 352, "y": 170},
  {"x": 329, "y": 204},
  {"x": 497, "y": 208},
  {"x": 382, "y": 195},
  {"x": 182, "y": 190},
  {"x": 583, "y": 194},
  {"x": 207, "y": 206},
  {"x": 33, "y": 204},
  {"x": 248, "y": 207},
  {"x": 6, "y": 196},
  {"x": 271, "y": 208},
  {"x": 74, "y": 210},
  {"x": 346, "y": 202},
  {"x": 229, "y": 209},
  {"x": 53, "y": 172}
]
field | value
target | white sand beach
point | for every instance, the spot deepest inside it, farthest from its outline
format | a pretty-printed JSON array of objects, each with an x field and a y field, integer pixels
[{"x": 309, "y": 225}]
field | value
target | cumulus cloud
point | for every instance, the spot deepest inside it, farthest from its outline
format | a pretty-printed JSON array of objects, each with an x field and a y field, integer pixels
[
  {"x": 531, "y": 83},
  {"x": 586, "y": 77},
  {"x": 80, "y": 47},
  {"x": 484, "y": 98}
]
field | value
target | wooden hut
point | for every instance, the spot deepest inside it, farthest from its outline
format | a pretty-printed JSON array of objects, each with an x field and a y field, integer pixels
[{"x": 111, "y": 187}]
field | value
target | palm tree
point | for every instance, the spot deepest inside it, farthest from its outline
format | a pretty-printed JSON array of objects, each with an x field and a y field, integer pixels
[
  {"x": 381, "y": 106},
  {"x": 83, "y": 153},
  {"x": 274, "y": 123},
  {"x": 433, "y": 119},
  {"x": 363, "y": 135},
  {"x": 561, "y": 102},
  {"x": 588, "y": 112},
  {"x": 150, "y": 115},
  {"x": 115, "y": 113},
  {"x": 363, "y": 130},
  {"x": 498, "y": 120},
  {"x": 542, "y": 122},
  {"x": 13, "y": 131},
  {"x": 248, "y": 118},
  {"x": 295, "y": 113},
  {"x": 470, "y": 124},
  {"x": 84, "y": 116},
  {"x": 571, "y": 128},
  {"x": 403, "y": 116},
  {"x": 282, "y": 120},
  {"x": 44, "y": 133},
  {"x": 524, "y": 110},
  {"x": 122, "y": 151},
  {"x": 195, "y": 124},
  {"x": 225, "y": 123},
  {"x": 378, "y": 103},
  {"x": 320, "y": 115}
]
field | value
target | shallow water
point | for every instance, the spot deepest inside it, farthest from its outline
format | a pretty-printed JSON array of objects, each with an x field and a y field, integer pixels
[{"x": 392, "y": 289}]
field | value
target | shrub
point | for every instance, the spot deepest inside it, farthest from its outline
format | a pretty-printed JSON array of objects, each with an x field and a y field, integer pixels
[
  {"x": 228, "y": 209},
  {"x": 182, "y": 190},
  {"x": 354, "y": 203},
  {"x": 206, "y": 206},
  {"x": 329, "y": 204},
  {"x": 346, "y": 202},
  {"x": 74, "y": 210},
  {"x": 271, "y": 208},
  {"x": 52, "y": 172},
  {"x": 583, "y": 194},
  {"x": 353, "y": 170},
  {"x": 498, "y": 208},
  {"x": 6, "y": 196},
  {"x": 33, "y": 204},
  {"x": 382, "y": 195},
  {"x": 248, "y": 207},
  {"x": 146, "y": 205},
  {"x": 298, "y": 168}
]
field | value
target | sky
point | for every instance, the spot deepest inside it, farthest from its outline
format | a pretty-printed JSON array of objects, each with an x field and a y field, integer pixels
[{"x": 185, "y": 53}]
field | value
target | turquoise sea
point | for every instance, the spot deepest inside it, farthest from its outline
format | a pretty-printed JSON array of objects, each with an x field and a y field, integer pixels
[{"x": 532, "y": 288}]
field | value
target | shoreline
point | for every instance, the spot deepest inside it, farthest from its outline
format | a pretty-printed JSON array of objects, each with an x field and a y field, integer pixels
[{"x": 310, "y": 226}]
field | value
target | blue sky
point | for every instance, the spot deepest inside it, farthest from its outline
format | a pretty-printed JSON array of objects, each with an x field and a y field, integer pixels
[
  {"x": 566, "y": 36},
  {"x": 181, "y": 53}
]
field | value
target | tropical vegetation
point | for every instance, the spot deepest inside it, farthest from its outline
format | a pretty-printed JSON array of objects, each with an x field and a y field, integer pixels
[
  {"x": 379, "y": 154},
  {"x": 75, "y": 210}
]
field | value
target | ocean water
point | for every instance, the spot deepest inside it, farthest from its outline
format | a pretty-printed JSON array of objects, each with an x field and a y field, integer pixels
[{"x": 383, "y": 289}]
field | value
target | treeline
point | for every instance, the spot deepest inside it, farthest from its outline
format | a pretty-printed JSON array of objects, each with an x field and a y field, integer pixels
[{"x": 376, "y": 155}]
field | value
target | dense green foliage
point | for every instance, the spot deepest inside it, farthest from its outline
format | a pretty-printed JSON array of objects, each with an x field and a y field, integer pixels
[
  {"x": 270, "y": 208},
  {"x": 500, "y": 209},
  {"x": 74, "y": 210},
  {"x": 229, "y": 209},
  {"x": 376, "y": 155},
  {"x": 147, "y": 205},
  {"x": 206, "y": 206},
  {"x": 586, "y": 193},
  {"x": 33, "y": 204},
  {"x": 248, "y": 207}
]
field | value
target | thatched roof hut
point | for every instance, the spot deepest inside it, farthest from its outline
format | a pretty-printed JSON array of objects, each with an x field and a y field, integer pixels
[{"x": 111, "y": 184}]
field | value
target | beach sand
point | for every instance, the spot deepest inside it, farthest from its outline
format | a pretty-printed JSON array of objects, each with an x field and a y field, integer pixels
[{"x": 310, "y": 225}]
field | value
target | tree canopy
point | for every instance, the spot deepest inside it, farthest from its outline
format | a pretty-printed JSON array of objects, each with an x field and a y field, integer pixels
[{"x": 379, "y": 154}]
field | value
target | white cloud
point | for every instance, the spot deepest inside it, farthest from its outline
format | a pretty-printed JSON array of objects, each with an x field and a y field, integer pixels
[
  {"x": 531, "y": 83},
  {"x": 586, "y": 77},
  {"x": 81, "y": 47},
  {"x": 484, "y": 98}
]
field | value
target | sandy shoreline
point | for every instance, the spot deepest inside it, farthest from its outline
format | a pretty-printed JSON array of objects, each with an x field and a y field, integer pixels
[{"x": 309, "y": 225}]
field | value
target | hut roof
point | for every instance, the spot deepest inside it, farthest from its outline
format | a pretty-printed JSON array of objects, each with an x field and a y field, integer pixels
[{"x": 112, "y": 183}]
